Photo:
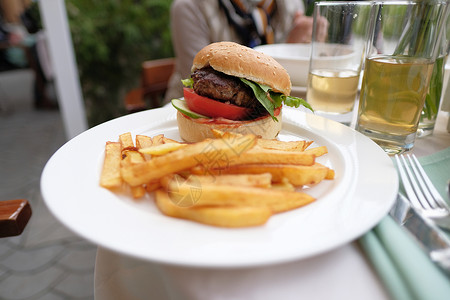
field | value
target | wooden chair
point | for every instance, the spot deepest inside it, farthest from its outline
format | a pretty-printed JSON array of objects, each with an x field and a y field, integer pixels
[
  {"x": 14, "y": 216},
  {"x": 155, "y": 77}
]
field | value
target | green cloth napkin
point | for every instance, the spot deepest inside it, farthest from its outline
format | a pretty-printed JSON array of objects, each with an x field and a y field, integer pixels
[
  {"x": 437, "y": 166},
  {"x": 403, "y": 267}
]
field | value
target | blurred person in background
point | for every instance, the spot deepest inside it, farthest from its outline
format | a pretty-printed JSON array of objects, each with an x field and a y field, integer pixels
[
  {"x": 8, "y": 38},
  {"x": 197, "y": 23},
  {"x": 23, "y": 46}
]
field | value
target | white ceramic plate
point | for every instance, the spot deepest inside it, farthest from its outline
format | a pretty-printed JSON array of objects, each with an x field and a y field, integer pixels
[{"x": 361, "y": 194}]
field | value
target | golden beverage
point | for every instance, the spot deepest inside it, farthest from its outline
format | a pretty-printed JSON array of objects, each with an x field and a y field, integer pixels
[
  {"x": 392, "y": 97},
  {"x": 332, "y": 91}
]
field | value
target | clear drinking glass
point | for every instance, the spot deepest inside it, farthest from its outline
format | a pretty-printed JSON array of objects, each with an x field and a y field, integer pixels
[
  {"x": 402, "y": 49},
  {"x": 339, "y": 37},
  {"x": 434, "y": 95}
]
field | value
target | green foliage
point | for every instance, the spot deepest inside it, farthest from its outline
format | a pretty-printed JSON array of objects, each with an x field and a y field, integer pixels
[
  {"x": 433, "y": 97},
  {"x": 111, "y": 39},
  {"x": 360, "y": 26}
]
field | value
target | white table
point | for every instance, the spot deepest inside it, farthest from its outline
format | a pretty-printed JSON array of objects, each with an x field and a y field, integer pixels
[
  {"x": 342, "y": 273},
  {"x": 436, "y": 142}
]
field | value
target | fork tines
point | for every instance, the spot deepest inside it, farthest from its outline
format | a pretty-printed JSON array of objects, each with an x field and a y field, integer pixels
[{"x": 421, "y": 192}]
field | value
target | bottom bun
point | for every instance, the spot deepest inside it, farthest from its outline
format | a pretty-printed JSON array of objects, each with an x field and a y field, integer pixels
[{"x": 195, "y": 130}]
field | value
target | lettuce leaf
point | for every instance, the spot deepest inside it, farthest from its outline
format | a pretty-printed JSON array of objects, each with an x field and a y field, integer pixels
[
  {"x": 188, "y": 82},
  {"x": 261, "y": 92},
  {"x": 271, "y": 100}
]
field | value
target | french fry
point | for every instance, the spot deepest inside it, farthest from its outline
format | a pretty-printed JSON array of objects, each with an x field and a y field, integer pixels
[
  {"x": 158, "y": 139},
  {"x": 284, "y": 146},
  {"x": 266, "y": 143},
  {"x": 138, "y": 191},
  {"x": 259, "y": 155},
  {"x": 284, "y": 185},
  {"x": 143, "y": 141},
  {"x": 330, "y": 175},
  {"x": 152, "y": 186},
  {"x": 317, "y": 151},
  {"x": 250, "y": 180},
  {"x": 296, "y": 174},
  {"x": 130, "y": 158},
  {"x": 212, "y": 194},
  {"x": 126, "y": 140},
  {"x": 162, "y": 148},
  {"x": 166, "y": 140},
  {"x": 206, "y": 152},
  {"x": 223, "y": 216},
  {"x": 110, "y": 176},
  {"x": 219, "y": 134}
]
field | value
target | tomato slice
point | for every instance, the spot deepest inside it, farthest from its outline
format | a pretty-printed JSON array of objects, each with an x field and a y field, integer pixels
[
  {"x": 212, "y": 108},
  {"x": 277, "y": 111}
]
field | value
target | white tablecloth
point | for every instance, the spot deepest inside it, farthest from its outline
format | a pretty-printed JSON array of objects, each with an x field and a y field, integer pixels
[{"x": 342, "y": 273}]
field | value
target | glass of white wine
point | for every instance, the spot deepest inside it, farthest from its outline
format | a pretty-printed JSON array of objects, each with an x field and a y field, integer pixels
[
  {"x": 402, "y": 50},
  {"x": 340, "y": 33}
]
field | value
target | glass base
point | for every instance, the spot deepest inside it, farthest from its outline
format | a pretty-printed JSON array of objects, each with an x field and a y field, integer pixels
[
  {"x": 422, "y": 132},
  {"x": 344, "y": 118},
  {"x": 425, "y": 129},
  {"x": 391, "y": 144}
]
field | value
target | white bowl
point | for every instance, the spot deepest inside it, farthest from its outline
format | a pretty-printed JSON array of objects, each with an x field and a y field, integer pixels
[{"x": 295, "y": 58}]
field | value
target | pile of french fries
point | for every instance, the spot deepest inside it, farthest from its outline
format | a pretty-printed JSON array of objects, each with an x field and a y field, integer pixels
[{"x": 232, "y": 180}]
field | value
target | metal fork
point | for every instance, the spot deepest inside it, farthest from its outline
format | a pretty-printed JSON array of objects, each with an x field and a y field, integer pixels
[{"x": 421, "y": 192}]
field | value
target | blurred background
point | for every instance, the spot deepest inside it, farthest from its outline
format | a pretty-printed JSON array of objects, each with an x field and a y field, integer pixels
[{"x": 110, "y": 40}]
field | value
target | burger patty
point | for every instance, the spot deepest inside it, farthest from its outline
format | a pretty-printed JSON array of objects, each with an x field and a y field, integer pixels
[{"x": 225, "y": 88}]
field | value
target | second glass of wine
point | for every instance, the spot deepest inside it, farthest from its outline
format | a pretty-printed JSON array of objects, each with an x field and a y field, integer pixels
[{"x": 406, "y": 40}]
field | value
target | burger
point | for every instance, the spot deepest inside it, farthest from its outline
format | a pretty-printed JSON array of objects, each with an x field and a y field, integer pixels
[{"x": 233, "y": 88}]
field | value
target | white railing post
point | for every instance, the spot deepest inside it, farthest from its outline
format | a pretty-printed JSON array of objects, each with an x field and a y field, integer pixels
[{"x": 71, "y": 105}]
